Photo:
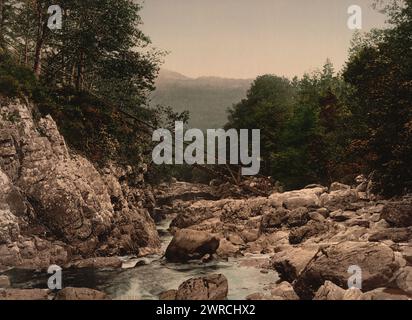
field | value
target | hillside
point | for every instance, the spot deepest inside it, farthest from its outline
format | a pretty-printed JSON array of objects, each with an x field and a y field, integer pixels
[{"x": 206, "y": 98}]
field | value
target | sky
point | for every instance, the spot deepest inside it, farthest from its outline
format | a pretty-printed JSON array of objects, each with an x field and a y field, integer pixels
[{"x": 247, "y": 38}]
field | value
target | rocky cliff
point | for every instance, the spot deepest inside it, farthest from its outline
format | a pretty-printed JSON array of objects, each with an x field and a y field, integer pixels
[{"x": 56, "y": 206}]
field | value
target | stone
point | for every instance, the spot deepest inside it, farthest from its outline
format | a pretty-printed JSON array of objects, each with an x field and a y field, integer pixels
[
  {"x": 290, "y": 262},
  {"x": 298, "y": 217},
  {"x": 377, "y": 262},
  {"x": 336, "y": 186},
  {"x": 273, "y": 219},
  {"x": 168, "y": 295},
  {"x": 312, "y": 229},
  {"x": 396, "y": 235},
  {"x": 340, "y": 199},
  {"x": 398, "y": 214},
  {"x": 381, "y": 294},
  {"x": 341, "y": 216},
  {"x": 316, "y": 216},
  {"x": 329, "y": 291},
  {"x": 212, "y": 288},
  {"x": 190, "y": 245},
  {"x": 227, "y": 249},
  {"x": 74, "y": 294},
  {"x": 24, "y": 294},
  {"x": 285, "y": 291},
  {"x": 404, "y": 280}
]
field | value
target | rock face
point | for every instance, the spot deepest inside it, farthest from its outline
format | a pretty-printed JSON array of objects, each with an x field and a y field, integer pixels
[
  {"x": 212, "y": 287},
  {"x": 190, "y": 244},
  {"x": 60, "y": 198},
  {"x": 75, "y": 294},
  {"x": 377, "y": 262}
]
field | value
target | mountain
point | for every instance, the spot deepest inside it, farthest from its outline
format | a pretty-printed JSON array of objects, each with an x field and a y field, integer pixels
[{"x": 206, "y": 98}]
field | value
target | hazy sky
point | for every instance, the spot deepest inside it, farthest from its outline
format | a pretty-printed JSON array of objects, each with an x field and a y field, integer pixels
[{"x": 246, "y": 38}]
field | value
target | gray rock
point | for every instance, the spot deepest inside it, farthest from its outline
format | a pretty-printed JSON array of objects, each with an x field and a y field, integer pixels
[
  {"x": 329, "y": 291},
  {"x": 377, "y": 262},
  {"x": 404, "y": 280},
  {"x": 212, "y": 287},
  {"x": 291, "y": 261},
  {"x": 396, "y": 235},
  {"x": 190, "y": 244},
  {"x": 398, "y": 214}
]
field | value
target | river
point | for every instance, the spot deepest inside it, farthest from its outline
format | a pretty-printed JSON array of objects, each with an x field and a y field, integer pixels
[{"x": 145, "y": 278}]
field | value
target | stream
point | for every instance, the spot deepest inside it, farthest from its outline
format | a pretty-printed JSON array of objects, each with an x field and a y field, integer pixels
[{"x": 145, "y": 278}]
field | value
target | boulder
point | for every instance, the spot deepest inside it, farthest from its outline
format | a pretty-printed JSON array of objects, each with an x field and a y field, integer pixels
[
  {"x": 396, "y": 235},
  {"x": 273, "y": 219},
  {"x": 377, "y": 262},
  {"x": 404, "y": 280},
  {"x": 382, "y": 294},
  {"x": 341, "y": 215},
  {"x": 227, "y": 249},
  {"x": 213, "y": 287},
  {"x": 308, "y": 198},
  {"x": 329, "y": 291},
  {"x": 298, "y": 217},
  {"x": 285, "y": 291},
  {"x": 336, "y": 186},
  {"x": 398, "y": 214},
  {"x": 75, "y": 294},
  {"x": 290, "y": 262},
  {"x": 312, "y": 229},
  {"x": 340, "y": 199},
  {"x": 190, "y": 244}
]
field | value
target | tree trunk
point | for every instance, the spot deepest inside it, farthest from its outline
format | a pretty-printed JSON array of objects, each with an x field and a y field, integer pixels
[
  {"x": 41, "y": 35},
  {"x": 2, "y": 23},
  {"x": 79, "y": 82}
]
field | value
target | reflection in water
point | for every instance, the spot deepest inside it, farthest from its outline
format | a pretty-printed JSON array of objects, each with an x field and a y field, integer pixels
[{"x": 148, "y": 281}]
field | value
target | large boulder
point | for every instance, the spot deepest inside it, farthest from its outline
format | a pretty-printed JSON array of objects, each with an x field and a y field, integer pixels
[
  {"x": 299, "y": 198},
  {"x": 394, "y": 234},
  {"x": 291, "y": 261},
  {"x": 377, "y": 262},
  {"x": 312, "y": 229},
  {"x": 339, "y": 199},
  {"x": 213, "y": 287},
  {"x": 398, "y": 214},
  {"x": 191, "y": 244},
  {"x": 273, "y": 219},
  {"x": 330, "y": 291},
  {"x": 404, "y": 280}
]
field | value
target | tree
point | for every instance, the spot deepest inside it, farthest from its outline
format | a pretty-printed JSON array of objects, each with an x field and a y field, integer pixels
[{"x": 380, "y": 69}]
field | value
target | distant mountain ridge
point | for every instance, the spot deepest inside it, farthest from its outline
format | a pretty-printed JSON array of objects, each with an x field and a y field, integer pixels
[{"x": 206, "y": 98}]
